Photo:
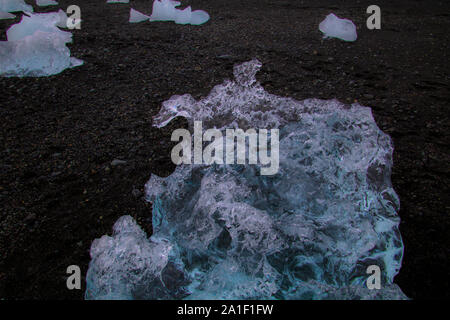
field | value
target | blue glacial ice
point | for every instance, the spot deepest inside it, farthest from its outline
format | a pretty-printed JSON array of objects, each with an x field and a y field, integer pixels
[
  {"x": 335, "y": 27},
  {"x": 226, "y": 232},
  {"x": 36, "y": 47}
]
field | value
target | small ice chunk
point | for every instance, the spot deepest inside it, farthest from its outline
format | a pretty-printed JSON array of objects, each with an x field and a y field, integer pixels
[
  {"x": 136, "y": 16},
  {"x": 44, "y": 3},
  {"x": 74, "y": 62},
  {"x": 164, "y": 10},
  {"x": 6, "y": 15},
  {"x": 14, "y": 6},
  {"x": 199, "y": 17},
  {"x": 118, "y": 1},
  {"x": 336, "y": 27}
]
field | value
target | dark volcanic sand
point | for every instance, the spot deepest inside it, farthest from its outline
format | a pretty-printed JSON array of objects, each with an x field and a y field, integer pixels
[{"x": 59, "y": 134}]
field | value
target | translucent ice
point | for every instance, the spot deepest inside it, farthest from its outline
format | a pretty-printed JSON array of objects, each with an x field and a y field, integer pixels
[
  {"x": 6, "y": 15},
  {"x": 46, "y": 22},
  {"x": 199, "y": 17},
  {"x": 15, "y": 5},
  {"x": 44, "y": 3},
  {"x": 136, "y": 16},
  {"x": 40, "y": 54},
  {"x": 335, "y": 27},
  {"x": 165, "y": 10},
  {"x": 36, "y": 47},
  {"x": 227, "y": 232}
]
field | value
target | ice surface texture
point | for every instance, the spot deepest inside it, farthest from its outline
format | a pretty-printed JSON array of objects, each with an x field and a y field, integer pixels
[
  {"x": 136, "y": 16},
  {"x": 227, "y": 232},
  {"x": 335, "y": 27},
  {"x": 15, "y": 5},
  {"x": 165, "y": 10},
  {"x": 36, "y": 47}
]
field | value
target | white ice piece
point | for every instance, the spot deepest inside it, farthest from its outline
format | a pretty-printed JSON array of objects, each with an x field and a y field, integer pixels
[
  {"x": 336, "y": 27},
  {"x": 44, "y": 3},
  {"x": 14, "y": 6},
  {"x": 6, "y": 15},
  {"x": 46, "y": 22},
  {"x": 165, "y": 10},
  {"x": 37, "y": 55},
  {"x": 36, "y": 47},
  {"x": 199, "y": 17},
  {"x": 136, "y": 16}
]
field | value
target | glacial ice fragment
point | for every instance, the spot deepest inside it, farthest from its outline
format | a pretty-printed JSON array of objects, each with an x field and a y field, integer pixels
[
  {"x": 37, "y": 55},
  {"x": 227, "y": 232},
  {"x": 199, "y": 17},
  {"x": 36, "y": 47},
  {"x": 15, "y": 6},
  {"x": 335, "y": 27},
  {"x": 165, "y": 10},
  {"x": 45, "y": 3},
  {"x": 6, "y": 15},
  {"x": 46, "y": 22},
  {"x": 136, "y": 16}
]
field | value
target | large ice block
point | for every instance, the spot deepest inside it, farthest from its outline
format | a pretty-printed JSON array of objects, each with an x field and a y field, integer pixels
[{"x": 224, "y": 231}]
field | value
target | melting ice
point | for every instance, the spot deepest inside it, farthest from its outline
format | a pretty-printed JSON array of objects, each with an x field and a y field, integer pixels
[
  {"x": 335, "y": 27},
  {"x": 165, "y": 10},
  {"x": 36, "y": 47},
  {"x": 227, "y": 232},
  {"x": 136, "y": 16}
]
